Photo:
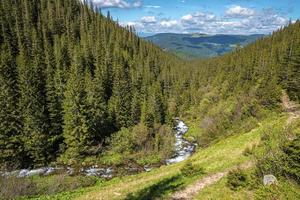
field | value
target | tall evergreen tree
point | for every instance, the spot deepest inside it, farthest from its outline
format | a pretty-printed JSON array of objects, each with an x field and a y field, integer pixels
[
  {"x": 10, "y": 129},
  {"x": 76, "y": 125}
]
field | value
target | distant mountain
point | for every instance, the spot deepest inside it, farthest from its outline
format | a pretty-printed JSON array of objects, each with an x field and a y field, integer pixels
[
  {"x": 200, "y": 45},
  {"x": 142, "y": 34}
]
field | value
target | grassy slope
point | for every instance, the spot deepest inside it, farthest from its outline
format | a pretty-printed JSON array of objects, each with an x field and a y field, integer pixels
[
  {"x": 163, "y": 181},
  {"x": 219, "y": 191}
]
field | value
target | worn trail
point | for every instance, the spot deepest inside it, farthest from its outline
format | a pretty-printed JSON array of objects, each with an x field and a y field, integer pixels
[
  {"x": 189, "y": 192},
  {"x": 293, "y": 110}
]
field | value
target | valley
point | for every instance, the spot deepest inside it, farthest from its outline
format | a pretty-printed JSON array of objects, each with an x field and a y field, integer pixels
[
  {"x": 89, "y": 110},
  {"x": 195, "y": 46}
]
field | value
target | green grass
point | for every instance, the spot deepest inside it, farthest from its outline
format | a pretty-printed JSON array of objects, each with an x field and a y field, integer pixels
[
  {"x": 285, "y": 190},
  {"x": 163, "y": 181},
  {"x": 13, "y": 188}
]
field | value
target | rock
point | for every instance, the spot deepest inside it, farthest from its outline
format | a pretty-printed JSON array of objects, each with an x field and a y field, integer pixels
[
  {"x": 147, "y": 169},
  {"x": 50, "y": 170},
  {"x": 70, "y": 171},
  {"x": 23, "y": 173},
  {"x": 94, "y": 171},
  {"x": 35, "y": 172},
  {"x": 269, "y": 179}
]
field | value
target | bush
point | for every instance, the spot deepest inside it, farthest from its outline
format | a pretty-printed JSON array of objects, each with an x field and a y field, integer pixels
[
  {"x": 61, "y": 183},
  {"x": 249, "y": 150},
  {"x": 140, "y": 144},
  {"x": 292, "y": 159},
  {"x": 189, "y": 170},
  {"x": 12, "y": 187},
  {"x": 237, "y": 179},
  {"x": 283, "y": 190}
]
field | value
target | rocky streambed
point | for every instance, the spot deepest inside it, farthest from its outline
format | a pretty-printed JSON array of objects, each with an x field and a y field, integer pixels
[{"x": 182, "y": 148}]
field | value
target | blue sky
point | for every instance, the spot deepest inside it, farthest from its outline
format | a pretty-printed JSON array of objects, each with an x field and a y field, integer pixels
[{"x": 203, "y": 16}]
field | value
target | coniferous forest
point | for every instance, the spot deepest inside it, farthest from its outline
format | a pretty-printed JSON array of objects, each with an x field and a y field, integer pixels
[
  {"x": 76, "y": 88},
  {"x": 71, "y": 77}
]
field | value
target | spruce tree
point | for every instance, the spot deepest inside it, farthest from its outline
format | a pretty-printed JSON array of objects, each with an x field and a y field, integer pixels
[
  {"x": 32, "y": 104},
  {"x": 10, "y": 129},
  {"x": 76, "y": 130}
]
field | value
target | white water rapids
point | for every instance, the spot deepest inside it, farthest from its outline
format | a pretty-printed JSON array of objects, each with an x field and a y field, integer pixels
[{"x": 183, "y": 149}]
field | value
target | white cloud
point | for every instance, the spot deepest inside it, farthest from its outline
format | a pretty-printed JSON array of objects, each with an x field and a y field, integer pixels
[
  {"x": 235, "y": 20},
  {"x": 152, "y": 6},
  {"x": 187, "y": 17},
  {"x": 117, "y": 3},
  {"x": 148, "y": 19},
  {"x": 168, "y": 23},
  {"x": 238, "y": 11},
  {"x": 137, "y": 4}
]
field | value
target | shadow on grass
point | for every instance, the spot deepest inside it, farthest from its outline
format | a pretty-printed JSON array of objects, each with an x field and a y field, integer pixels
[{"x": 158, "y": 190}]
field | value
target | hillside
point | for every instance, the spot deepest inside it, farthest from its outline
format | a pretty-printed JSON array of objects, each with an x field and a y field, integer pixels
[
  {"x": 79, "y": 92},
  {"x": 200, "y": 45}
]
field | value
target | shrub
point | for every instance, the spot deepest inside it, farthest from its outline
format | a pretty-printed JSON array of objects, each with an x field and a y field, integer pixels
[
  {"x": 237, "y": 179},
  {"x": 61, "y": 183},
  {"x": 292, "y": 159},
  {"x": 189, "y": 170},
  {"x": 154, "y": 144},
  {"x": 249, "y": 150},
  {"x": 12, "y": 187},
  {"x": 164, "y": 141}
]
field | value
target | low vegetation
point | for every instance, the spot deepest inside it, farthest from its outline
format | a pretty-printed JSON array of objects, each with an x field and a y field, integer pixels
[
  {"x": 237, "y": 179},
  {"x": 77, "y": 89},
  {"x": 13, "y": 187},
  {"x": 139, "y": 145}
]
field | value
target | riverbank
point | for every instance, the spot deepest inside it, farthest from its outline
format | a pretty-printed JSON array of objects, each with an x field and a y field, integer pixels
[{"x": 182, "y": 150}]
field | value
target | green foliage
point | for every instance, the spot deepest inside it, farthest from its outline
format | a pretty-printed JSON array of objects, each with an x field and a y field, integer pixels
[
  {"x": 140, "y": 144},
  {"x": 249, "y": 150},
  {"x": 195, "y": 46},
  {"x": 190, "y": 170},
  {"x": 78, "y": 139},
  {"x": 12, "y": 188},
  {"x": 70, "y": 78},
  {"x": 9, "y": 117},
  {"x": 269, "y": 158},
  {"x": 292, "y": 159},
  {"x": 278, "y": 153},
  {"x": 237, "y": 179},
  {"x": 284, "y": 190}
]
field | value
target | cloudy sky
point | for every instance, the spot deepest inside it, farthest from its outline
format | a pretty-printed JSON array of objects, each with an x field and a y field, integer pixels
[{"x": 202, "y": 16}]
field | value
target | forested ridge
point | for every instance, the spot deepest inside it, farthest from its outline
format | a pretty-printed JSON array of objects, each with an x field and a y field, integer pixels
[{"x": 76, "y": 88}]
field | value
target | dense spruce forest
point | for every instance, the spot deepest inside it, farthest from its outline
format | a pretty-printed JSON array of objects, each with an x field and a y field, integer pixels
[{"x": 78, "y": 89}]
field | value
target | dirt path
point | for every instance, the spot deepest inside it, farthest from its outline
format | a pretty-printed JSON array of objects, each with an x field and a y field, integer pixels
[
  {"x": 189, "y": 192},
  {"x": 290, "y": 107}
]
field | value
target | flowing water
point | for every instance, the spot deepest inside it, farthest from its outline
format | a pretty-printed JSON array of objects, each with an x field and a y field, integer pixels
[{"x": 183, "y": 148}]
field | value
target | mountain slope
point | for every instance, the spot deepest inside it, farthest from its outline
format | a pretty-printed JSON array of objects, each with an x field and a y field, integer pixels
[
  {"x": 78, "y": 90},
  {"x": 200, "y": 45}
]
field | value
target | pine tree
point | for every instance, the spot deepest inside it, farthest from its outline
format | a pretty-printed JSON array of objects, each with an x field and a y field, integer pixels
[
  {"x": 76, "y": 130},
  {"x": 293, "y": 80},
  {"x": 54, "y": 102},
  {"x": 10, "y": 144},
  {"x": 32, "y": 104},
  {"x": 97, "y": 107},
  {"x": 121, "y": 99}
]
